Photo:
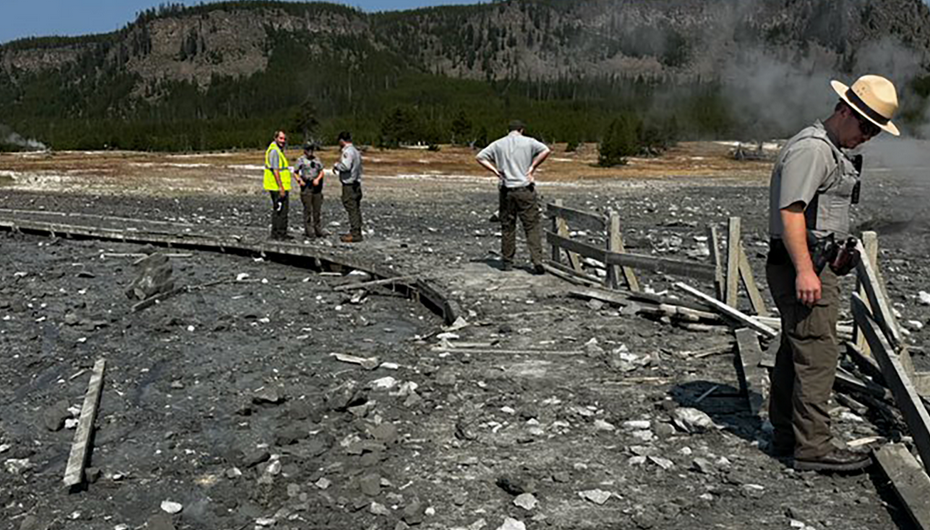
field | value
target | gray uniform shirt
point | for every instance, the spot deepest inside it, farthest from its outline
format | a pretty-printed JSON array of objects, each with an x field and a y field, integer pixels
[
  {"x": 513, "y": 155},
  {"x": 309, "y": 169},
  {"x": 350, "y": 165},
  {"x": 812, "y": 170}
]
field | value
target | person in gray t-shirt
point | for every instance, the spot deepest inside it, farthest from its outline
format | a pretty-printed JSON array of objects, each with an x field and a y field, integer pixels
[
  {"x": 349, "y": 169},
  {"x": 514, "y": 159}
]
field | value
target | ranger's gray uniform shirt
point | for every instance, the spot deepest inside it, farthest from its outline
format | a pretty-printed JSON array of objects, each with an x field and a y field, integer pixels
[
  {"x": 513, "y": 155},
  {"x": 350, "y": 165},
  {"x": 812, "y": 170}
]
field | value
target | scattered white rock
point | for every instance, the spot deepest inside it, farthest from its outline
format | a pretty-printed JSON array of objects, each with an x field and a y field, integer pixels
[
  {"x": 171, "y": 507},
  {"x": 692, "y": 420},
  {"x": 323, "y": 483},
  {"x": 265, "y": 522},
  {"x": 379, "y": 509},
  {"x": 924, "y": 297},
  {"x": 16, "y": 466},
  {"x": 637, "y": 424},
  {"x": 508, "y": 410},
  {"x": 526, "y": 501},
  {"x": 512, "y": 524},
  {"x": 602, "y": 425},
  {"x": 916, "y": 325},
  {"x": 664, "y": 463},
  {"x": 596, "y": 496},
  {"x": 385, "y": 383}
]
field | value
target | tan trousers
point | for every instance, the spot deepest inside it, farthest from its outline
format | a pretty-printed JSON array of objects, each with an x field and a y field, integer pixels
[{"x": 805, "y": 365}]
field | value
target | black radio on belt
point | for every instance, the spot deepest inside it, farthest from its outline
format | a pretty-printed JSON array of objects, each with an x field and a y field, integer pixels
[{"x": 857, "y": 163}]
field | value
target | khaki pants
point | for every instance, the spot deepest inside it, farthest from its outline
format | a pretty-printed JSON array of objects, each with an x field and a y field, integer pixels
[
  {"x": 279, "y": 207},
  {"x": 352, "y": 200},
  {"x": 313, "y": 212},
  {"x": 514, "y": 203},
  {"x": 805, "y": 365}
]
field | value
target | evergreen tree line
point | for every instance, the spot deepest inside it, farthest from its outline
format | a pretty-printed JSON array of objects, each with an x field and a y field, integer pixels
[{"x": 94, "y": 103}]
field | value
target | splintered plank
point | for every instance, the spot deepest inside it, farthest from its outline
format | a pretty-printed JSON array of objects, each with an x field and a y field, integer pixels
[
  {"x": 749, "y": 282},
  {"x": 712, "y": 242},
  {"x": 751, "y": 378},
  {"x": 562, "y": 229},
  {"x": 733, "y": 250},
  {"x": 74, "y": 472},
  {"x": 910, "y": 481},
  {"x": 729, "y": 311},
  {"x": 870, "y": 245},
  {"x": 905, "y": 395},
  {"x": 615, "y": 244},
  {"x": 878, "y": 301}
]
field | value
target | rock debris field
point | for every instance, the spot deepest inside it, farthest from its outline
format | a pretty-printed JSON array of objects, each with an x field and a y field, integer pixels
[{"x": 267, "y": 398}]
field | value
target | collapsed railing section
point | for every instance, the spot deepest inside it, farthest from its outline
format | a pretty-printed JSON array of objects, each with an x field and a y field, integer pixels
[
  {"x": 308, "y": 257},
  {"x": 887, "y": 374}
]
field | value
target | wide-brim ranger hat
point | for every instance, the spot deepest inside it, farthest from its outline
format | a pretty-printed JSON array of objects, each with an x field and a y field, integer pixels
[{"x": 874, "y": 98}]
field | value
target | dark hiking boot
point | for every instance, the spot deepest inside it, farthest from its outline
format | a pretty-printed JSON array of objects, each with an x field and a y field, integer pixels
[
  {"x": 349, "y": 238},
  {"x": 838, "y": 460},
  {"x": 321, "y": 233},
  {"x": 538, "y": 270}
]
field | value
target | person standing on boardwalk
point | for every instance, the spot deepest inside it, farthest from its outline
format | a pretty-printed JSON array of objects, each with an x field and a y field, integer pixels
[
  {"x": 349, "y": 169},
  {"x": 309, "y": 171},
  {"x": 813, "y": 184},
  {"x": 277, "y": 183},
  {"x": 514, "y": 160}
]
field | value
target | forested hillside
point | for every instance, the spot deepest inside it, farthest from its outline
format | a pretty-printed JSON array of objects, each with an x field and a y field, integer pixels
[{"x": 225, "y": 75}]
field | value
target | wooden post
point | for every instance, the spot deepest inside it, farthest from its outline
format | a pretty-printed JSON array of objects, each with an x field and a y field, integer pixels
[
  {"x": 748, "y": 357},
  {"x": 80, "y": 449},
  {"x": 714, "y": 244},
  {"x": 749, "y": 282},
  {"x": 615, "y": 244},
  {"x": 733, "y": 248},
  {"x": 562, "y": 229},
  {"x": 878, "y": 300},
  {"x": 870, "y": 244}
]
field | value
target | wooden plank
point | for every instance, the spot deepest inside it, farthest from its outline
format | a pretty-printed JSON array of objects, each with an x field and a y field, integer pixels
[
  {"x": 578, "y": 219},
  {"x": 909, "y": 480},
  {"x": 568, "y": 274},
  {"x": 689, "y": 269},
  {"x": 374, "y": 283},
  {"x": 749, "y": 282},
  {"x": 562, "y": 230},
  {"x": 905, "y": 395},
  {"x": 728, "y": 310},
  {"x": 847, "y": 381},
  {"x": 583, "y": 249},
  {"x": 615, "y": 244},
  {"x": 714, "y": 244},
  {"x": 865, "y": 362},
  {"x": 597, "y": 294},
  {"x": 751, "y": 377},
  {"x": 80, "y": 449},
  {"x": 870, "y": 244},
  {"x": 878, "y": 302},
  {"x": 733, "y": 248},
  {"x": 921, "y": 382}
]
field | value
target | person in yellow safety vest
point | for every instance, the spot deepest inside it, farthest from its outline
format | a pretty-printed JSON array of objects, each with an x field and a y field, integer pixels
[{"x": 278, "y": 184}]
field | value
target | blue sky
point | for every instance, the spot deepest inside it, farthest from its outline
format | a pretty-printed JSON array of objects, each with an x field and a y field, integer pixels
[{"x": 34, "y": 18}]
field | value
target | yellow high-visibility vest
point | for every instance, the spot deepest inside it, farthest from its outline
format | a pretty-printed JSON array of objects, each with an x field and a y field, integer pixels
[{"x": 270, "y": 183}]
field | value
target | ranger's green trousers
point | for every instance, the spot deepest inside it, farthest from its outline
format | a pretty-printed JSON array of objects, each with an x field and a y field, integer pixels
[{"x": 805, "y": 365}]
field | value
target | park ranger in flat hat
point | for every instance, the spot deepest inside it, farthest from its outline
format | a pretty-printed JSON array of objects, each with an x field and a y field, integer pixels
[{"x": 813, "y": 184}]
